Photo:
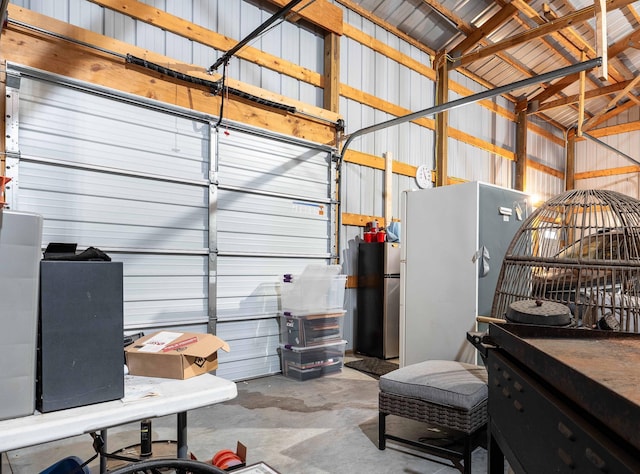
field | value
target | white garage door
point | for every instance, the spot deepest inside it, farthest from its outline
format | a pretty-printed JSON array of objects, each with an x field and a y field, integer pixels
[{"x": 206, "y": 223}]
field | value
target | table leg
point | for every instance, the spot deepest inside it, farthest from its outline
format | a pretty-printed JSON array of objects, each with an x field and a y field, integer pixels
[
  {"x": 103, "y": 459},
  {"x": 182, "y": 434}
]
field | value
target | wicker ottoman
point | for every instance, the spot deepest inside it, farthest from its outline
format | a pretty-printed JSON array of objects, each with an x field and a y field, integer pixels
[{"x": 442, "y": 393}]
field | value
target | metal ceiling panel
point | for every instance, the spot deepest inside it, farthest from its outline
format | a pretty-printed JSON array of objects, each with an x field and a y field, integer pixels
[{"x": 536, "y": 56}]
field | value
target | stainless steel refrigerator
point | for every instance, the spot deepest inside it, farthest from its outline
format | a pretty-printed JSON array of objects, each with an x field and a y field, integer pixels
[{"x": 377, "y": 322}]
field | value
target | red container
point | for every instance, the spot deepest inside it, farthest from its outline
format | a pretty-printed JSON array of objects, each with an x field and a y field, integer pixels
[
  {"x": 381, "y": 236},
  {"x": 369, "y": 236}
]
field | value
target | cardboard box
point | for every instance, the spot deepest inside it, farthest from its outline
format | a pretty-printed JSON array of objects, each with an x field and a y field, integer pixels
[{"x": 174, "y": 355}]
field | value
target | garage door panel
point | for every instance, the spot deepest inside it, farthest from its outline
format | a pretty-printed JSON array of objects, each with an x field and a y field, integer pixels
[
  {"x": 68, "y": 180},
  {"x": 265, "y": 267},
  {"x": 257, "y": 328},
  {"x": 273, "y": 166},
  {"x": 166, "y": 288},
  {"x": 229, "y": 200},
  {"x": 82, "y": 207},
  {"x": 159, "y": 265},
  {"x": 72, "y": 125},
  {"x": 111, "y": 236},
  {"x": 78, "y": 206},
  {"x": 151, "y": 314},
  {"x": 232, "y": 308},
  {"x": 272, "y": 226},
  {"x": 257, "y": 181},
  {"x": 266, "y": 244},
  {"x": 248, "y": 368}
]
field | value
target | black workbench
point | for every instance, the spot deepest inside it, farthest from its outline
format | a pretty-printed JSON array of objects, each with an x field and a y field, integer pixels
[{"x": 563, "y": 399}]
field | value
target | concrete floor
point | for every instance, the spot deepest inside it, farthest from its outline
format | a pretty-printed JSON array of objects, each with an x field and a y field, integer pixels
[{"x": 325, "y": 425}]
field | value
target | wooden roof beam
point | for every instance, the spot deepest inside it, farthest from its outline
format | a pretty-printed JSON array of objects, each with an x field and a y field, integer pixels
[
  {"x": 548, "y": 28},
  {"x": 552, "y": 90},
  {"x": 501, "y": 17},
  {"x": 447, "y": 14},
  {"x": 537, "y": 103},
  {"x": 632, "y": 40},
  {"x": 609, "y": 115},
  {"x": 631, "y": 14},
  {"x": 592, "y": 94},
  {"x": 612, "y": 103},
  {"x": 319, "y": 12},
  {"x": 568, "y": 37}
]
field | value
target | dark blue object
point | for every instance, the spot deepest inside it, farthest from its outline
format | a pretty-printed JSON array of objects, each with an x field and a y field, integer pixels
[{"x": 67, "y": 465}]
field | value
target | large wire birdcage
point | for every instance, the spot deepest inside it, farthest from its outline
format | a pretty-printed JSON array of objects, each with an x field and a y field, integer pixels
[{"x": 580, "y": 248}]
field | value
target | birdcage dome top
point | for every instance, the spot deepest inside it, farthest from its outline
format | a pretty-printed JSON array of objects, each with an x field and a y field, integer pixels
[
  {"x": 598, "y": 225},
  {"x": 581, "y": 245}
]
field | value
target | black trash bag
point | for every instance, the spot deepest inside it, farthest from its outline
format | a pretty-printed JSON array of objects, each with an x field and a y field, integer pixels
[{"x": 67, "y": 252}]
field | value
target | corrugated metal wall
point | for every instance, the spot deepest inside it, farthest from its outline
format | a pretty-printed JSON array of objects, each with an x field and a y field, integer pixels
[
  {"x": 548, "y": 153},
  {"x": 593, "y": 156}
]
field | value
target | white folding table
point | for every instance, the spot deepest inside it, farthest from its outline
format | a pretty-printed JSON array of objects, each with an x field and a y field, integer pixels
[{"x": 144, "y": 398}]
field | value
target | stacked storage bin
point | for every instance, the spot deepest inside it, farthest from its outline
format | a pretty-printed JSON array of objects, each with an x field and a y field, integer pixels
[{"x": 312, "y": 322}]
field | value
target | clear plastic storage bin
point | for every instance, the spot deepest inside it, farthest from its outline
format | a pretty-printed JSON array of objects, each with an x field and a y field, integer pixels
[
  {"x": 312, "y": 330},
  {"x": 318, "y": 289},
  {"x": 304, "y": 363}
]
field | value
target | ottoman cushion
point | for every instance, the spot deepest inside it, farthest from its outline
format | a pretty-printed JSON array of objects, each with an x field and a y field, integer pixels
[{"x": 443, "y": 382}]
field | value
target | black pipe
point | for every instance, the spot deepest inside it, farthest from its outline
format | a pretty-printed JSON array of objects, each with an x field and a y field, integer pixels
[
  {"x": 609, "y": 147},
  {"x": 565, "y": 71},
  {"x": 276, "y": 16}
]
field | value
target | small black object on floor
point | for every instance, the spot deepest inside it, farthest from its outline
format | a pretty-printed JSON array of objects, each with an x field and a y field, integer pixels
[{"x": 372, "y": 366}]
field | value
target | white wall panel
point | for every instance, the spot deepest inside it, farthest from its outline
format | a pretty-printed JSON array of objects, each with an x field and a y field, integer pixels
[
  {"x": 628, "y": 184},
  {"x": 542, "y": 186},
  {"x": 469, "y": 163}
]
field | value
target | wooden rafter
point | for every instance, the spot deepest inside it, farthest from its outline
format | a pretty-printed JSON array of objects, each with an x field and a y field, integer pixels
[
  {"x": 632, "y": 40},
  {"x": 552, "y": 90},
  {"x": 592, "y": 94},
  {"x": 615, "y": 129},
  {"x": 601, "y": 38},
  {"x": 577, "y": 44},
  {"x": 590, "y": 123},
  {"x": 548, "y": 28},
  {"x": 478, "y": 38},
  {"x": 507, "y": 12},
  {"x": 446, "y": 13}
]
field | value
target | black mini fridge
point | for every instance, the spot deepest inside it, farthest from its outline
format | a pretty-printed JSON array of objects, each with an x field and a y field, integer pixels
[
  {"x": 80, "y": 339},
  {"x": 377, "y": 322}
]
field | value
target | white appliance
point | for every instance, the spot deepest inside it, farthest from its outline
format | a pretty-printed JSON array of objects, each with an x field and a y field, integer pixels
[{"x": 454, "y": 240}]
